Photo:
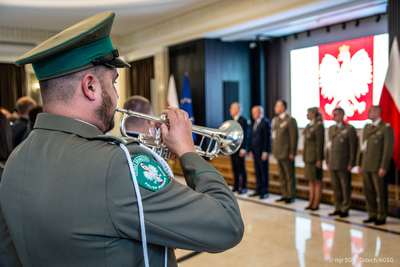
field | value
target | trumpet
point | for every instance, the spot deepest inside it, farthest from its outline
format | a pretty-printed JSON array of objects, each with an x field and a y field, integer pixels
[{"x": 227, "y": 139}]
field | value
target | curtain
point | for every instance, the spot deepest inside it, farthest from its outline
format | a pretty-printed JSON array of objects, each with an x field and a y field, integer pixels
[
  {"x": 141, "y": 72},
  {"x": 272, "y": 54},
  {"x": 12, "y": 85}
]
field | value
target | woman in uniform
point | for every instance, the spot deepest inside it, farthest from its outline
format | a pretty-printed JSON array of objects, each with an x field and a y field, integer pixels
[{"x": 313, "y": 155}]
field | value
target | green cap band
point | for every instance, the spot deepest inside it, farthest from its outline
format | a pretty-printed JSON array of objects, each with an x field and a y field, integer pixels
[{"x": 72, "y": 59}]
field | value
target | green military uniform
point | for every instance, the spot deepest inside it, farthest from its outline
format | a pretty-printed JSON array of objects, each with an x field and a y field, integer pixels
[
  {"x": 341, "y": 152},
  {"x": 313, "y": 151},
  {"x": 67, "y": 198},
  {"x": 284, "y": 143},
  {"x": 69, "y": 201},
  {"x": 376, "y": 149}
]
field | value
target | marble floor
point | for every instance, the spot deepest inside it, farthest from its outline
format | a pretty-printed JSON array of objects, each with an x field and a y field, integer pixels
[{"x": 278, "y": 234}]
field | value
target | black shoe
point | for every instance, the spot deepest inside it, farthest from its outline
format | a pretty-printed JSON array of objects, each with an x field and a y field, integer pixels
[
  {"x": 235, "y": 190},
  {"x": 264, "y": 196},
  {"x": 255, "y": 194},
  {"x": 243, "y": 191},
  {"x": 281, "y": 199},
  {"x": 289, "y": 200},
  {"x": 369, "y": 220},
  {"x": 380, "y": 222},
  {"x": 308, "y": 208},
  {"x": 317, "y": 208},
  {"x": 336, "y": 212},
  {"x": 344, "y": 214}
]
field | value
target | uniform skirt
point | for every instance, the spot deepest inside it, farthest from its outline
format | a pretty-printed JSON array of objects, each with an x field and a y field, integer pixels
[{"x": 312, "y": 172}]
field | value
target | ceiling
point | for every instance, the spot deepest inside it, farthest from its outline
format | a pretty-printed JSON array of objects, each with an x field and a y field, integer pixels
[
  {"x": 132, "y": 15},
  {"x": 58, "y": 14}
]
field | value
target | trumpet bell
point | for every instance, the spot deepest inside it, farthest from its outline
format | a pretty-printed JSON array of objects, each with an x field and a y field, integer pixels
[{"x": 233, "y": 138}]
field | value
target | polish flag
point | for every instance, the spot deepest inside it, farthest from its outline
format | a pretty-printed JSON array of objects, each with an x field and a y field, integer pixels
[
  {"x": 172, "y": 98},
  {"x": 390, "y": 98}
]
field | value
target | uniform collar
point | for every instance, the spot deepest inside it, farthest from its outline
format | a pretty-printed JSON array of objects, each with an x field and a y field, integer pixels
[
  {"x": 376, "y": 123},
  {"x": 340, "y": 124},
  {"x": 283, "y": 115},
  {"x": 56, "y": 122}
]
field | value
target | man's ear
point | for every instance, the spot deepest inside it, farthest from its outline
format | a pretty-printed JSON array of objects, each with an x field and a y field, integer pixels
[{"x": 89, "y": 86}]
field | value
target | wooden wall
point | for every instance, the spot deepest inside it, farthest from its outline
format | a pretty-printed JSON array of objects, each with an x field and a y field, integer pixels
[
  {"x": 209, "y": 63},
  {"x": 223, "y": 165}
]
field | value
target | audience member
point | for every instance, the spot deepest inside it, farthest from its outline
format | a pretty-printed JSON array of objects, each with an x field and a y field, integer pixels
[
  {"x": 237, "y": 159},
  {"x": 260, "y": 148},
  {"x": 375, "y": 152},
  {"x": 32, "y": 119},
  {"x": 340, "y": 159},
  {"x": 5, "y": 141},
  {"x": 284, "y": 148},
  {"x": 313, "y": 155},
  {"x": 133, "y": 125},
  {"x": 23, "y": 105}
]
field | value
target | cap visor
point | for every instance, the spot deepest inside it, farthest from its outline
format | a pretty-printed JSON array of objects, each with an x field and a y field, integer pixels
[{"x": 117, "y": 63}]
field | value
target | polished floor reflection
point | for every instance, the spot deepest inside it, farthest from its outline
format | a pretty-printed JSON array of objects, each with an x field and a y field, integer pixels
[{"x": 286, "y": 235}]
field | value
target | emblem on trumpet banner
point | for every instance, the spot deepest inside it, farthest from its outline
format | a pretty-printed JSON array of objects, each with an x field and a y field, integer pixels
[{"x": 149, "y": 174}]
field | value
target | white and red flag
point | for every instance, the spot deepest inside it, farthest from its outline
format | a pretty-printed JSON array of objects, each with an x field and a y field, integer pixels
[
  {"x": 390, "y": 98},
  {"x": 172, "y": 98}
]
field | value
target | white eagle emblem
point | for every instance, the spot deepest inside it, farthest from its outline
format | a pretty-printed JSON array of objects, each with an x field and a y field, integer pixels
[
  {"x": 151, "y": 173},
  {"x": 345, "y": 83}
]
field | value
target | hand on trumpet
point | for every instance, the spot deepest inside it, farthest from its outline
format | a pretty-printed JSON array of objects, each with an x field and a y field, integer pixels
[{"x": 178, "y": 137}]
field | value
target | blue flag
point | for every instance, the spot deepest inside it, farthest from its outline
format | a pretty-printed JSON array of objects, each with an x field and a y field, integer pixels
[{"x": 186, "y": 101}]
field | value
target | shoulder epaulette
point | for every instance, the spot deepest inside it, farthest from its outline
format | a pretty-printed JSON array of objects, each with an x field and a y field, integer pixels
[{"x": 113, "y": 139}]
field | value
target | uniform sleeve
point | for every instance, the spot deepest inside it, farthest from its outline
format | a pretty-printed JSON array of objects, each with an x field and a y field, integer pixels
[
  {"x": 266, "y": 137},
  {"x": 245, "y": 142},
  {"x": 328, "y": 151},
  {"x": 201, "y": 216},
  {"x": 8, "y": 253},
  {"x": 293, "y": 137},
  {"x": 353, "y": 146},
  {"x": 388, "y": 147},
  {"x": 359, "y": 153},
  {"x": 320, "y": 140}
]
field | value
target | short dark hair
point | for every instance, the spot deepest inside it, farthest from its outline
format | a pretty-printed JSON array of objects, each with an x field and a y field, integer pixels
[
  {"x": 284, "y": 102},
  {"x": 378, "y": 108},
  {"x": 24, "y": 103},
  {"x": 340, "y": 109},
  {"x": 62, "y": 88},
  {"x": 139, "y": 104},
  {"x": 34, "y": 112}
]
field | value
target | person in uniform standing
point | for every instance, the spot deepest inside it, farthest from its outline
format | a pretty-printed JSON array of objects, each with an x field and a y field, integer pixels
[
  {"x": 313, "y": 155},
  {"x": 260, "y": 148},
  {"x": 133, "y": 125},
  {"x": 340, "y": 158},
  {"x": 72, "y": 196},
  {"x": 237, "y": 159},
  {"x": 284, "y": 148},
  {"x": 375, "y": 153}
]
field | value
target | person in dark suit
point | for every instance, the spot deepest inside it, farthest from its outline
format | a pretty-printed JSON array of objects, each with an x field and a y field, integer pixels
[
  {"x": 237, "y": 158},
  {"x": 133, "y": 125},
  {"x": 260, "y": 147}
]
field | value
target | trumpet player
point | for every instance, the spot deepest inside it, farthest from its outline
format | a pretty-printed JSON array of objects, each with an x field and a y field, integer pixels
[{"x": 72, "y": 196}]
